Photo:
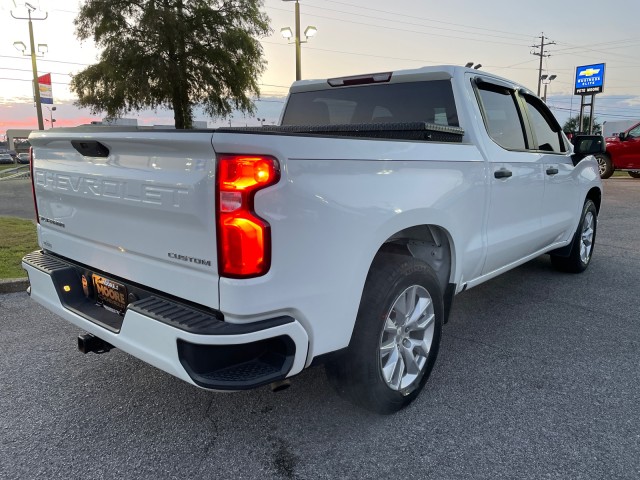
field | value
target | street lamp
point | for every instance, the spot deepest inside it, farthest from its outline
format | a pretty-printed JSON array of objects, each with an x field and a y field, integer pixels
[
  {"x": 546, "y": 80},
  {"x": 42, "y": 49},
  {"x": 51, "y": 119},
  {"x": 309, "y": 32}
]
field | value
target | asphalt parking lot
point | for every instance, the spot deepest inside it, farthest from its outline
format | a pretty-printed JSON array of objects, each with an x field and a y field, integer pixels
[{"x": 538, "y": 377}]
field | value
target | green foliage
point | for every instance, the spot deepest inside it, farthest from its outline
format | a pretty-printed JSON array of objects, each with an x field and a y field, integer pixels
[
  {"x": 18, "y": 238},
  {"x": 172, "y": 53},
  {"x": 571, "y": 125}
]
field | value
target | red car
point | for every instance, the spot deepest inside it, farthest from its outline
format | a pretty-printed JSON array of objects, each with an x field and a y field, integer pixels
[{"x": 623, "y": 153}]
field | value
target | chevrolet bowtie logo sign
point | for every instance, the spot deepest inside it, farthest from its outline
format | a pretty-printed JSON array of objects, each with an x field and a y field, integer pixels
[{"x": 589, "y": 72}]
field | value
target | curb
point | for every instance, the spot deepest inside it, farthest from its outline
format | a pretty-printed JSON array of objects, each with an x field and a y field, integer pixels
[{"x": 12, "y": 285}]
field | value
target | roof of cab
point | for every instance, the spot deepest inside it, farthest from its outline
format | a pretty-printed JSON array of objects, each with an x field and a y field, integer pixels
[{"x": 439, "y": 72}]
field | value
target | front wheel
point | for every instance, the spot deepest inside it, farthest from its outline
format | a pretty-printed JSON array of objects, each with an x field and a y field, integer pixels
[
  {"x": 634, "y": 173},
  {"x": 396, "y": 336},
  {"x": 605, "y": 165},
  {"x": 582, "y": 244}
]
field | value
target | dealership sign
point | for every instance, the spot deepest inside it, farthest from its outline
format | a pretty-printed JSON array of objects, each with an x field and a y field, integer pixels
[{"x": 589, "y": 79}]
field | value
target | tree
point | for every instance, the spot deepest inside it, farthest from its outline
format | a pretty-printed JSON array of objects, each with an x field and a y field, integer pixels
[
  {"x": 571, "y": 125},
  {"x": 172, "y": 53}
]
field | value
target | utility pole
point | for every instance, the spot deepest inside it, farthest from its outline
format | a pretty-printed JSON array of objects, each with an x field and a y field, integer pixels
[
  {"x": 36, "y": 87},
  {"x": 541, "y": 54}
]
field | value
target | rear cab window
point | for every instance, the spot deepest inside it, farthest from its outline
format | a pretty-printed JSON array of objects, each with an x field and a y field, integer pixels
[{"x": 428, "y": 101}]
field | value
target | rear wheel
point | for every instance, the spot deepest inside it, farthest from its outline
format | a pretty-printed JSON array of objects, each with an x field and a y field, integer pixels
[
  {"x": 634, "y": 173},
  {"x": 396, "y": 337},
  {"x": 582, "y": 244},
  {"x": 605, "y": 166}
]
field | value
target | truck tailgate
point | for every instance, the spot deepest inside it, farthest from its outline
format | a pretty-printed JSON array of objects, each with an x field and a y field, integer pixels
[{"x": 139, "y": 205}]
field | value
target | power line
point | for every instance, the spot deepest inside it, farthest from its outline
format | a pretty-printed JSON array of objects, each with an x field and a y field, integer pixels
[
  {"x": 597, "y": 113},
  {"x": 26, "y": 70},
  {"x": 45, "y": 60},
  {"x": 599, "y": 44},
  {"x": 608, "y": 108},
  {"x": 425, "y": 19},
  {"x": 403, "y": 22},
  {"x": 360, "y": 54},
  {"x": 30, "y": 81},
  {"x": 405, "y": 30}
]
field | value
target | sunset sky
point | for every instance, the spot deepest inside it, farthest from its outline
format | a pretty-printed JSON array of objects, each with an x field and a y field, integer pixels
[{"x": 359, "y": 36}]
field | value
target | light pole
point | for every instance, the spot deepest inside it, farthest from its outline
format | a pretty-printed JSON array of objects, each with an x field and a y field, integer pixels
[
  {"x": 309, "y": 32},
  {"x": 546, "y": 80},
  {"x": 51, "y": 119},
  {"x": 41, "y": 49}
]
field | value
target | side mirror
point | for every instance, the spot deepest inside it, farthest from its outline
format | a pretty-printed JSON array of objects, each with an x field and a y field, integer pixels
[
  {"x": 588, "y": 145},
  {"x": 584, "y": 145},
  {"x": 622, "y": 136}
]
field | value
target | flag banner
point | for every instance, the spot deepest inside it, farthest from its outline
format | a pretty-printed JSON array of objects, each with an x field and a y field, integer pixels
[{"x": 44, "y": 84}]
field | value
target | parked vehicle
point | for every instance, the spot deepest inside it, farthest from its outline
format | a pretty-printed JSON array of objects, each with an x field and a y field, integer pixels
[
  {"x": 5, "y": 159},
  {"x": 23, "y": 158},
  {"x": 622, "y": 153},
  {"x": 235, "y": 258}
]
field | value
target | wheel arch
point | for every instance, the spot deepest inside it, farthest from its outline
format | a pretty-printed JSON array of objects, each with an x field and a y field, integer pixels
[
  {"x": 595, "y": 195},
  {"x": 430, "y": 243}
]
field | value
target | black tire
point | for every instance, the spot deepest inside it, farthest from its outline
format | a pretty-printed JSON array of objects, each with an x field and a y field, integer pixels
[
  {"x": 605, "y": 165},
  {"x": 582, "y": 244},
  {"x": 357, "y": 374},
  {"x": 634, "y": 173}
]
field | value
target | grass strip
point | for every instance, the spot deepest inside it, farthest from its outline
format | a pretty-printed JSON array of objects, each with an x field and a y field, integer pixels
[{"x": 17, "y": 238}]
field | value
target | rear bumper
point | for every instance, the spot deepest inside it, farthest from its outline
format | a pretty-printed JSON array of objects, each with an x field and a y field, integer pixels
[{"x": 192, "y": 344}]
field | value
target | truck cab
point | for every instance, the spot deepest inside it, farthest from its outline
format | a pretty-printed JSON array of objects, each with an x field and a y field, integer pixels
[{"x": 623, "y": 153}]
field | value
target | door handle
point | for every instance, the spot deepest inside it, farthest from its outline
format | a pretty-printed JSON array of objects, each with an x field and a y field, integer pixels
[
  {"x": 552, "y": 171},
  {"x": 502, "y": 173}
]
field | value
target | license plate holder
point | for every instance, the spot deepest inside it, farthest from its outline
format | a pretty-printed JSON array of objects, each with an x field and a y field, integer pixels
[{"x": 110, "y": 294}]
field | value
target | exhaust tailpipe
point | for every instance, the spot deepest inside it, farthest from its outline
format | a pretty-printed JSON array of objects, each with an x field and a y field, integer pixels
[
  {"x": 280, "y": 385},
  {"x": 90, "y": 343}
]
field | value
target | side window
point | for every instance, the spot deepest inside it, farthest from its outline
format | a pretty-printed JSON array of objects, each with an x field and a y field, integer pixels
[
  {"x": 501, "y": 116},
  {"x": 548, "y": 140},
  {"x": 634, "y": 132}
]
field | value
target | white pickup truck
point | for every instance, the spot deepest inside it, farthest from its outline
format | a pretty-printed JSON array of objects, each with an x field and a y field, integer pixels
[{"x": 235, "y": 258}]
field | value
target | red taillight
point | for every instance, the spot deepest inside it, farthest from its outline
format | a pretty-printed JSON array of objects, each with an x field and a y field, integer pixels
[
  {"x": 244, "y": 240},
  {"x": 33, "y": 183}
]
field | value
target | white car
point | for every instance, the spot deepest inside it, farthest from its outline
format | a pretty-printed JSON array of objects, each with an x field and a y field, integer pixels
[{"x": 235, "y": 258}]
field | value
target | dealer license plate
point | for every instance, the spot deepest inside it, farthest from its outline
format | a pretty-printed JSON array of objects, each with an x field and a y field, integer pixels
[{"x": 110, "y": 294}]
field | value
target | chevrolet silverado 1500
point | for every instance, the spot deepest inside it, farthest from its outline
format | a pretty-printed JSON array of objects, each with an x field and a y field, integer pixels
[
  {"x": 235, "y": 258},
  {"x": 622, "y": 153}
]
